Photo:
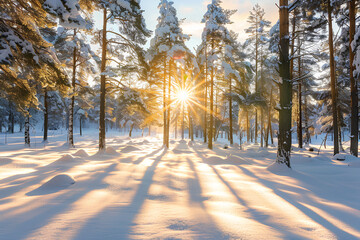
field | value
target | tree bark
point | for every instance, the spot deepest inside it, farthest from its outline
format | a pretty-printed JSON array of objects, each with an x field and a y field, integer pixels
[
  {"x": 46, "y": 115},
  {"x": 72, "y": 104},
  {"x": 103, "y": 85},
  {"x": 284, "y": 146},
  {"x": 269, "y": 118},
  {"x": 205, "y": 95},
  {"x": 168, "y": 108},
  {"x": 247, "y": 126},
  {"x": 211, "y": 125},
  {"x": 354, "y": 138},
  {"x": 80, "y": 125},
  {"x": 333, "y": 81},
  {"x": 230, "y": 116},
  {"x": 27, "y": 129},
  {"x": 164, "y": 105},
  {"x": 299, "y": 123}
]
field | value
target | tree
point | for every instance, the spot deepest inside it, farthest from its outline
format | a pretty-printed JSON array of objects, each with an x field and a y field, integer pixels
[
  {"x": 354, "y": 138},
  {"x": 285, "y": 85},
  {"x": 214, "y": 32},
  {"x": 132, "y": 31},
  {"x": 258, "y": 38}
]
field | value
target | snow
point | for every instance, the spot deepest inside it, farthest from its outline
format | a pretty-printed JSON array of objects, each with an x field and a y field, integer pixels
[{"x": 186, "y": 191}]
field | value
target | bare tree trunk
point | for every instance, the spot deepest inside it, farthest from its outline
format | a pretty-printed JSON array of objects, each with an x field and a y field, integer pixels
[
  {"x": 333, "y": 81},
  {"x": 80, "y": 125},
  {"x": 269, "y": 118},
  {"x": 103, "y": 85},
  {"x": 247, "y": 126},
  {"x": 306, "y": 119},
  {"x": 27, "y": 129},
  {"x": 46, "y": 115},
  {"x": 164, "y": 105},
  {"x": 168, "y": 108},
  {"x": 230, "y": 116},
  {"x": 284, "y": 148},
  {"x": 299, "y": 123},
  {"x": 211, "y": 127},
  {"x": 205, "y": 95},
  {"x": 354, "y": 138},
  {"x": 131, "y": 128},
  {"x": 72, "y": 104}
]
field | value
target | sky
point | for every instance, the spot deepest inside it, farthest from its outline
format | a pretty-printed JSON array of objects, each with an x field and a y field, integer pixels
[{"x": 193, "y": 11}]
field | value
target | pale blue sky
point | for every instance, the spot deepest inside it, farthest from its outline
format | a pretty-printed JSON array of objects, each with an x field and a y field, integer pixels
[{"x": 193, "y": 10}]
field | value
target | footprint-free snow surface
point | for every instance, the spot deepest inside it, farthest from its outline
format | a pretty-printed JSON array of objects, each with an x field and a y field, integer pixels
[{"x": 184, "y": 192}]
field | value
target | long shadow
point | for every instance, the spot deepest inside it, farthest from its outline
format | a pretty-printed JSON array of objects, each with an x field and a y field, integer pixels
[
  {"x": 139, "y": 160},
  {"x": 308, "y": 212},
  {"x": 196, "y": 197},
  {"x": 37, "y": 218},
  {"x": 259, "y": 216},
  {"x": 121, "y": 219}
]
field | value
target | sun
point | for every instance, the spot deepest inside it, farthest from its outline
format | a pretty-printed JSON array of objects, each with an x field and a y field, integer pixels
[{"x": 183, "y": 96}]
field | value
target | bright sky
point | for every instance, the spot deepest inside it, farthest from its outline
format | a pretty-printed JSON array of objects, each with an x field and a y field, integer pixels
[{"x": 193, "y": 11}]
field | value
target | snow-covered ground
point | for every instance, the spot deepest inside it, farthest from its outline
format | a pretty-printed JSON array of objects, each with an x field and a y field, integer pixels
[{"x": 139, "y": 190}]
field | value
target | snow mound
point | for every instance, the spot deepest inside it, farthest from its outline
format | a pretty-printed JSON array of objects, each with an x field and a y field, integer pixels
[
  {"x": 67, "y": 158},
  {"x": 55, "y": 184},
  {"x": 182, "y": 141},
  {"x": 145, "y": 141},
  {"x": 81, "y": 153},
  {"x": 59, "y": 181},
  {"x": 345, "y": 157},
  {"x": 191, "y": 143},
  {"x": 236, "y": 145},
  {"x": 278, "y": 168},
  {"x": 110, "y": 151},
  {"x": 172, "y": 141},
  {"x": 128, "y": 149}
]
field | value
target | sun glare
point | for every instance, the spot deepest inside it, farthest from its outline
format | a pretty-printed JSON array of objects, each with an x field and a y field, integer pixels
[{"x": 183, "y": 96}]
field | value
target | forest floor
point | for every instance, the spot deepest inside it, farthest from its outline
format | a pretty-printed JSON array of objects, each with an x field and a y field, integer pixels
[{"x": 139, "y": 190}]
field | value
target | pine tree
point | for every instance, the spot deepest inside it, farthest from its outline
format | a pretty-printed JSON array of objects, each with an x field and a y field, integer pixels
[
  {"x": 213, "y": 35},
  {"x": 168, "y": 42},
  {"x": 258, "y": 38},
  {"x": 131, "y": 31}
]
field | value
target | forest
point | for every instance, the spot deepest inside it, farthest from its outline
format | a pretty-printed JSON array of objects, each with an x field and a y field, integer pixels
[{"x": 112, "y": 130}]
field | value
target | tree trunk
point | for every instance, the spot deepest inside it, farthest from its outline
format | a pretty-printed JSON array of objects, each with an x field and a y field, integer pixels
[
  {"x": 333, "y": 81},
  {"x": 131, "y": 128},
  {"x": 230, "y": 116},
  {"x": 284, "y": 148},
  {"x": 256, "y": 78},
  {"x": 103, "y": 85},
  {"x": 164, "y": 105},
  {"x": 306, "y": 119},
  {"x": 72, "y": 104},
  {"x": 354, "y": 138},
  {"x": 46, "y": 115},
  {"x": 205, "y": 95},
  {"x": 211, "y": 125},
  {"x": 80, "y": 125},
  {"x": 269, "y": 118},
  {"x": 299, "y": 123},
  {"x": 182, "y": 122},
  {"x": 247, "y": 126},
  {"x": 168, "y": 108},
  {"x": 27, "y": 129}
]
